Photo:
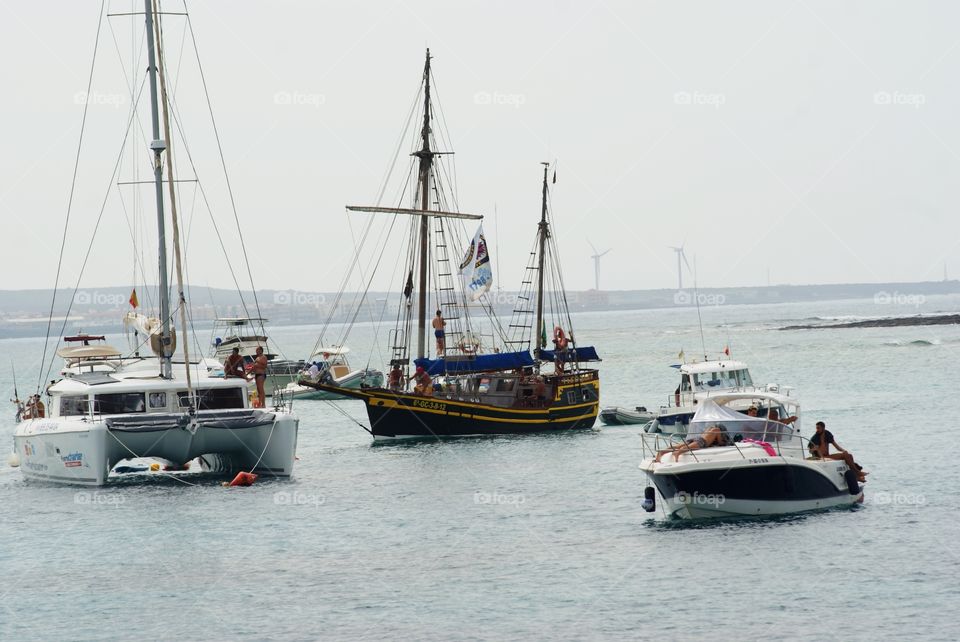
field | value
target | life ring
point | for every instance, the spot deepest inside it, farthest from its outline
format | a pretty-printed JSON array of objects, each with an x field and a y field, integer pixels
[{"x": 559, "y": 338}]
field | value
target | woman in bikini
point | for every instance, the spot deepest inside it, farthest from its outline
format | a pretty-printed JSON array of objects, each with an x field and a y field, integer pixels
[{"x": 712, "y": 436}]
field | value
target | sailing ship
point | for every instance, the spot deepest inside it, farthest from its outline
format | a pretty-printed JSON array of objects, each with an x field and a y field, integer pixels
[
  {"x": 470, "y": 387},
  {"x": 110, "y": 407}
]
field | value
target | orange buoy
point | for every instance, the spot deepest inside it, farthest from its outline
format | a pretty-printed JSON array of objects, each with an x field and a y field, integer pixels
[{"x": 243, "y": 479}]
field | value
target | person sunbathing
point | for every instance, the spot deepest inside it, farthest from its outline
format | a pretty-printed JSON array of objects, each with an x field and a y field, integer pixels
[{"x": 712, "y": 436}]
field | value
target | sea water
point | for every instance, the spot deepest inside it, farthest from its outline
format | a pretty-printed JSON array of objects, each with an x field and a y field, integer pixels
[{"x": 521, "y": 537}]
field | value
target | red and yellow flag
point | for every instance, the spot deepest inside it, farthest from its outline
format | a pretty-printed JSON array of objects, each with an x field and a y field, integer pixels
[{"x": 134, "y": 302}]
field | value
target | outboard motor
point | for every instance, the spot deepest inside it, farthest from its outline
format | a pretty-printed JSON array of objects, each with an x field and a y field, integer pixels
[
  {"x": 649, "y": 499},
  {"x": 852, "y": 484}
]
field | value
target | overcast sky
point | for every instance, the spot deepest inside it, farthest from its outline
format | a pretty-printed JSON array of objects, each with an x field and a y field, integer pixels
[{"x": 811, "y": 141}]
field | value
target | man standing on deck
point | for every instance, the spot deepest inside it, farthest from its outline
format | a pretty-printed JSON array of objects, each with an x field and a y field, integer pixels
[
  {"x": 260, "y": 376},
  {"x": 438, "y": 331}
]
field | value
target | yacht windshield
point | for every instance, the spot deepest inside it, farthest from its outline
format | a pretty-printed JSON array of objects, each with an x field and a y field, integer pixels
[{"x": 722, "y": 380}]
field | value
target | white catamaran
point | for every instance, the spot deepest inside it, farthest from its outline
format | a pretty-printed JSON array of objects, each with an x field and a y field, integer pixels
[{"x": 109, "y": 407}]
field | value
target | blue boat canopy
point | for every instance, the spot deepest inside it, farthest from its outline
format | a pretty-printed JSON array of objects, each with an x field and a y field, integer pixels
[
  {"x": 586, "y": 353},
  {"x": 476, "y": 363}
]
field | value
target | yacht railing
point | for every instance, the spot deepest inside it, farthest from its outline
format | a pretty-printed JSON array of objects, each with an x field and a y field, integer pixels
[{"x": 780, "y": 438}]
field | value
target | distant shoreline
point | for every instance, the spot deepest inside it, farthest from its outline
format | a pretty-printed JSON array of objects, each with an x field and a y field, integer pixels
[
  {"x": 24, "y": 313},
  {"x": 891, "y": 322}
]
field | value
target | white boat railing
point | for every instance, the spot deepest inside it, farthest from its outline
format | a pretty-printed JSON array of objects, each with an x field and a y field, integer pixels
[{"x": 775, "y": 435}]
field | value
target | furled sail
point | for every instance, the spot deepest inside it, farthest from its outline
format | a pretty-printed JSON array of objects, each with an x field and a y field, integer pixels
[
  {"x": 150, "y": 327},
  {"x": 476, "y": 363}
]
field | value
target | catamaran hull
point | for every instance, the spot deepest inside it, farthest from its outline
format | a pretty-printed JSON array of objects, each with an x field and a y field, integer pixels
[
  {"x": 775, "y": 487},
  {"x": 83, "y": 452}
]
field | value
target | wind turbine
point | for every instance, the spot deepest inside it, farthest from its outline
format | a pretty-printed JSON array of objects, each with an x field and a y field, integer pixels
[
  {"x": 596, "y": 265},
  {"x": 681, "y": 255}
]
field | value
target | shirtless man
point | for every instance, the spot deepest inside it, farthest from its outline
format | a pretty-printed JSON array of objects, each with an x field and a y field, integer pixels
[
  {"x": 260, "y": 376},
  {"x": 438, "y": 331},
  {"x": 820, "y": 445},
  {"x": 233, "y": 366}
]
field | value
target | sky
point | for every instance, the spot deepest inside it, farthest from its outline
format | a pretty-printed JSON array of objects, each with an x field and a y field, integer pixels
[{"x": 778, "y": 142}]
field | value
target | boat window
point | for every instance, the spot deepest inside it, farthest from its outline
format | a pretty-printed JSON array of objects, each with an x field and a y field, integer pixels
[
  {"x": 158, "y": 400},
  {"x": 120, "y": 402},
  {"x": 590, "y": 394},
  {"x": 215, "y": 398},
  {"x": 505, "y": 385},
  {"x": 745, "y": 379},
  {"x": 72, "y": 406},
  {"x": 484, "y": 386}
]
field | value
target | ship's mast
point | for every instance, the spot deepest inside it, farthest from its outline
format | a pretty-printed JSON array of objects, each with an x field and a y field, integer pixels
[
  {"x": 425, "y": 154},
  {"x": 158, "y": 145},
  {"x": 543, "y": 233}
]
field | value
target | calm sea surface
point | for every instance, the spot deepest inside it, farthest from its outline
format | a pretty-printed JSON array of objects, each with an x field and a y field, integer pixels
[{"x": 521, "y": 538}]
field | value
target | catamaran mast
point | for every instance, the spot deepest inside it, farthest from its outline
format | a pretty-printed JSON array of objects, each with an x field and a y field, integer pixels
[
  {"x": 158, "y": 145},
  {"x": 426, "y": 163},
  {"x": 542, "y": 247}
]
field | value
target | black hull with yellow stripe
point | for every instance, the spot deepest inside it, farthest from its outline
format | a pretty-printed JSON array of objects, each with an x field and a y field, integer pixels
[{"x": 575, "y": 405}]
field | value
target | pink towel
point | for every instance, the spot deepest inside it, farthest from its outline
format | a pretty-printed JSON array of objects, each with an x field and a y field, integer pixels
[{"x": 767, "y": 447}]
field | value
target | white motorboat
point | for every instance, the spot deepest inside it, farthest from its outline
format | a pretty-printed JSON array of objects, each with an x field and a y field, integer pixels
[
  {"x": 329, "y": 365},
  {"x": 760, "y": 467},
  {"x": 701, "y": 380},
  {"x": 242, "y": 333},
  {"x": 108, "y": 408},
  {"x": 619, "y": 416}
]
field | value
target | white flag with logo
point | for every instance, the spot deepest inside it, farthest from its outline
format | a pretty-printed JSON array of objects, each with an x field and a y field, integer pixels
[{"x": 475, "y": 268}]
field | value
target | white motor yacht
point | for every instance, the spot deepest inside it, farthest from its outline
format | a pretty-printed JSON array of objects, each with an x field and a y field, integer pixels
[
  {"x": 329, "y": 365},
  {"x": 758, "y": 467},
  {"x": 242, "y": 333},
  {"x": 701, "y": 380}
]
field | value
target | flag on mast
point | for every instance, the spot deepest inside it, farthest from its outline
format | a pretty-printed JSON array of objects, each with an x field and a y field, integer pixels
[
  {"x": 475, "y": 268},
  {"x": 682, "y": 356},
  {"x": 134, "y": 301}
]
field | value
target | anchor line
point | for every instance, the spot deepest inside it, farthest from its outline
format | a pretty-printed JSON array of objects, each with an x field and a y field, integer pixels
[{"x": 348, "y": 416}]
